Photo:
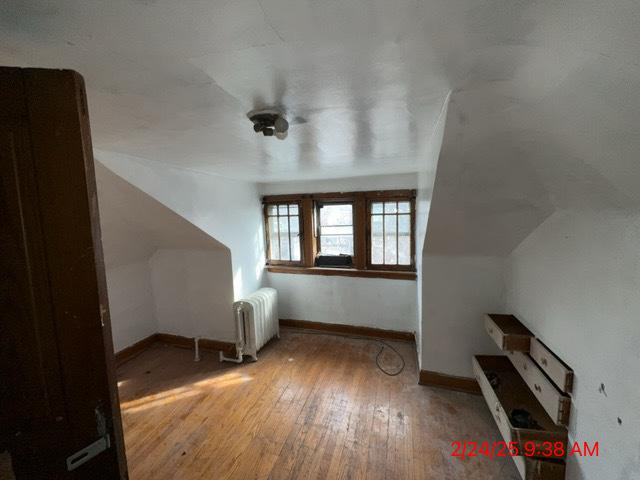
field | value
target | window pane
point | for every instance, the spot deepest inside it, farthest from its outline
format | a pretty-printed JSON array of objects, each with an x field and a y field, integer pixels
[
  {"x": 295, "y": 238},
  {"x": 404, "y": 207},
  {"x": 390, "y": 207},
  {"x": 377, "y": 256},
  {"x": 336, "y": 215},
  {"x": 274, "y": 242},
  {"x": 293, "y": 209},
  {"x": 390, "y": 247},
  {"x": 404, "y": 239},
  {"x": 282, "y": 209},
  {"x": 336, "y": 229},
  {"x": 404, "y": 250},
  {"x": 284, "y": 238},
  {"x": 272, "y": 210},
  {"x": 340, "y": 230},
  {"x": 336, "y": 244},
  {"x": 294, "y": 223},
  {"x": 404, "y": 224},
  {"x": 376, "y": 207}
]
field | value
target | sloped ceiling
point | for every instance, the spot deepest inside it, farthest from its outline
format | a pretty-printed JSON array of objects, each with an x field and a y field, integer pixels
[
  {"x": 134, "y": 225},
  {"x": 543, "y": 115},
  {"x": 543, "y": 109}
]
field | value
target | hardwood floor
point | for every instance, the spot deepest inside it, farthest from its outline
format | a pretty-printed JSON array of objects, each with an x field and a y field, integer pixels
[{"x": 312, "y": 407}]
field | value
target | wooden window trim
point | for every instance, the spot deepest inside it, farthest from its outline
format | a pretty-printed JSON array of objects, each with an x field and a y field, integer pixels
[
  {"x": 317, "y": 202},
  {"x": 265, "y": 216},
  {"x": 362, "y": 234},
  {"x": 343, "y": 272},
  {"x": 407, "y": 268}
]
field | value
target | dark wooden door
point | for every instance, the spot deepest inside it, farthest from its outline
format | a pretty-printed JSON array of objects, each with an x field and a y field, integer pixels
[{"x": 58, "y": 391}]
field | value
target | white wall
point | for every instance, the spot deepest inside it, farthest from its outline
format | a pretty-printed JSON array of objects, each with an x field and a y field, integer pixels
[
  {"x": 193, "y": 293},
  {"x": 456, "y": 292},
  {"x": 131, "y": 303},
  {"x": 349, "y": 184},
  {"x": 575, "y": 282},
  {"x": 379, "y": 303},
  {"x": 225, "y": 209},
  {"x": 192, "y": 288},
  {"x": 426, "y": 179},
  {"x": 126, "y": 248},
  {"x": 369, "y": 302}
]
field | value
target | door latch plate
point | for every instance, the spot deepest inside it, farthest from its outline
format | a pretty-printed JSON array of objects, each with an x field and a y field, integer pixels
[{"x": 88, "y": 452}]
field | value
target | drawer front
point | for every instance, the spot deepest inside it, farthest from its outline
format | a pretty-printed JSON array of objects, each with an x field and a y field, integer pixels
[
  {"x": 536, "y": 469},
  {"x": 493, "y": 403},
  {"x": 494, "y": 332},
  {"x": 508, "y": 333},
  {"x": 557, "y": 370},
  {"x": 555, "y": 403}
]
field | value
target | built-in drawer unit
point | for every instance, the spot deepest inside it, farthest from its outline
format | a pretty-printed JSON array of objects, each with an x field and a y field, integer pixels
[
  {"x": 537, "y": 469},
  {"x": 555, "y": 402},
  {"x": 508, "y": 333},
  {"x": 518, "y": 414},
  {"x": 558, "y": 371}
]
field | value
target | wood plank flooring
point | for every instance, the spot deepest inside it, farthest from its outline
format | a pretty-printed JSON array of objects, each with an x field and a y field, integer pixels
[{"x": 312, "y": 407}]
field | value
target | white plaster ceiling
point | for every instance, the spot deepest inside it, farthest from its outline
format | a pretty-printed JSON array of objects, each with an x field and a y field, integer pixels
[
  {"x": 543, "y": 114},
  {"x": 172, "y": 80}
]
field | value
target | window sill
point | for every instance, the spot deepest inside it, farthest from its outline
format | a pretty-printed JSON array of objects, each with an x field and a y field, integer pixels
[{"x": 343, "y": 272}]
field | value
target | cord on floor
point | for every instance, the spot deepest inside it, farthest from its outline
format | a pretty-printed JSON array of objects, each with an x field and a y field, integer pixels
[{"x": 382, "y": 344}]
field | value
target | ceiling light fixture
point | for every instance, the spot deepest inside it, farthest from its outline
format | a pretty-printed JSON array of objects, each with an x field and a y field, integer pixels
[{"x": 270, "y": 122}]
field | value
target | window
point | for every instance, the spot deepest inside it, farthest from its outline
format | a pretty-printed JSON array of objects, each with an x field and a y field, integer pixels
[
  {"x": 335, "y": 228},
  {"x": 283, "y": 233},
  {"x": 391, "y": 233},
  {"x": 375, "y": 229}
]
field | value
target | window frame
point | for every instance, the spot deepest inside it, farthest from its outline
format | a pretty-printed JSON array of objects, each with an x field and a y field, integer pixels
[
  {"x": 411, "y": 267},
  {"x": 309, "y": 238},
  {"x": 317, "y": 204},
  {"x": 267, "y": 232}
]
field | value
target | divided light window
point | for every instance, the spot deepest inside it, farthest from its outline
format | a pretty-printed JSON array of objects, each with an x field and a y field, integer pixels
[
  {"x": 391, "y": 233},
  {"x": 283, "y": 232},
  {"x": 313, "y": 230},
  {"x": 335, "y": 228}
]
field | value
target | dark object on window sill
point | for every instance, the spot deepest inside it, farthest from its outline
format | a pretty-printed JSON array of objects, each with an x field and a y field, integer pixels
[{"x": 336, "y": 261}]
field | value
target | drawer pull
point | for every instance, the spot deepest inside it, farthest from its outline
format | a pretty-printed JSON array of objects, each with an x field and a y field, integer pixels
[
  {"x": 543, "y": 361},
  {"x": 524, "y": 365},
  {"x": 497, "y": 414},
  {"x": 490, "y": 330},
  {"x": 537, "y": 387}
]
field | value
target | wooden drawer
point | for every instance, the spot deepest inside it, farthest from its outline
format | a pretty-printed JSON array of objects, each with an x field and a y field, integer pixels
[
  {"x": 510, "y": 392},
  {"x": 499, "y": 415},
  {"x": 508, "y": 333},
  {"x": 554, "y": 402},
  {"x": 537, "y": 469},
  {"x": 558, "y": 371}
]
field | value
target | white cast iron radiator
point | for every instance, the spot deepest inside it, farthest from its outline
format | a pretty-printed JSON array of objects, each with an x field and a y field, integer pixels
[{"x": 256, "y": 323}]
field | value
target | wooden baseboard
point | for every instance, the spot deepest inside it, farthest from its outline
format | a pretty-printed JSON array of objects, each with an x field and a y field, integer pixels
[
  {"x": 175, "y": 340},
  {"x": 449, "y": 382},
  {"x": 135, "y": 349},
  {"x": 349, "y": 329}
]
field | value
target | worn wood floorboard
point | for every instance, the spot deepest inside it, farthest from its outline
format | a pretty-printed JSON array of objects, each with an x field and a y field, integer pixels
[{"x": 312, "y": 407}]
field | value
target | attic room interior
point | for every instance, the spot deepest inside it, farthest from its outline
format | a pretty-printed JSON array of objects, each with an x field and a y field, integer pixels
[{"x": 278, "y": 239}]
